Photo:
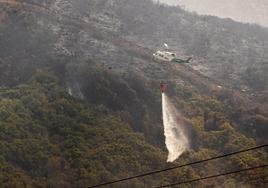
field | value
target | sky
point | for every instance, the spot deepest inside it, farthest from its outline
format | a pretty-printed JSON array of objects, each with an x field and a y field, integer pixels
[{"x": 248, "y": 11}]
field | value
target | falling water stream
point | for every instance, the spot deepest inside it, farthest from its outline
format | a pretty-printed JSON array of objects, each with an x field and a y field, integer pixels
[{"x": 175, "y": 138}]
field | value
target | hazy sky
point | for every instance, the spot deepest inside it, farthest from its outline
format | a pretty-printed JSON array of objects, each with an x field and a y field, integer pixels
[{"x": 252, "y": 11}]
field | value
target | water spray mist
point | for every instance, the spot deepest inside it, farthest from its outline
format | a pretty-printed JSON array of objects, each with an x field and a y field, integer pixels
[{"x": 176, "y": 138}]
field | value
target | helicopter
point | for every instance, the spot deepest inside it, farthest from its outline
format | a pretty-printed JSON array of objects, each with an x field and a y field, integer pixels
[
  {"x": 168, "y": 56},
  {"x": 165, "y": 56}
]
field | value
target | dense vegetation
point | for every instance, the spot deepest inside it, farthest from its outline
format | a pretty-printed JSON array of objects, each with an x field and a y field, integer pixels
[{"x": 48, "y": 138}]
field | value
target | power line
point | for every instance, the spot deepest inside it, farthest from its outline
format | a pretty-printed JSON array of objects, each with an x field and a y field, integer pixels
[
  {"x": 214, "y": 176},
  {"x": 180, "y": 166}
]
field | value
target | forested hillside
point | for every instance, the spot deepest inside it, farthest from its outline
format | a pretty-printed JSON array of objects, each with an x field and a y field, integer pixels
[
  {"x": 48, "y": 138},
  {"x": 80, "y": 101}
]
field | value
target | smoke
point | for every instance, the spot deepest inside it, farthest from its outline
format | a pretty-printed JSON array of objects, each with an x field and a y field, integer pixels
[
  {"x": 166, "y": 45},
  {"x": 175, "y": 135}
]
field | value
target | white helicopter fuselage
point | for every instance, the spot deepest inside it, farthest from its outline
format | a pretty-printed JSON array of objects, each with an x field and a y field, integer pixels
[{"x": 164, "y": 56}]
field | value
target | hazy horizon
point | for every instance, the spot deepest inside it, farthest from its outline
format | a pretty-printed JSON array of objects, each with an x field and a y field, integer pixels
[{"x": 247, "y": 11}]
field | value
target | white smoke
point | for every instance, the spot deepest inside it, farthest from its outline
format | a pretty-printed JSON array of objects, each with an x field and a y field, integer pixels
[
  {"x": 74, "y": 90},
  {"x": 166, "y": 45},
  {"x": 176, "y": 138}
]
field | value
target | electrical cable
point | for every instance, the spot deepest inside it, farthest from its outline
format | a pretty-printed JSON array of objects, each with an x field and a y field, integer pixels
[
  {"x": 176, "y": 167},
  {"x": 214, "y": 176}
]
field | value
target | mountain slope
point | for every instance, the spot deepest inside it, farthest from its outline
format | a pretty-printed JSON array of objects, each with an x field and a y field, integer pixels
[
  {"x": 96, "y": 93},
  {"x": 222, "y": 49},
  {"x": 50, "y": 139},
  {"x": 244, "y": 11}
]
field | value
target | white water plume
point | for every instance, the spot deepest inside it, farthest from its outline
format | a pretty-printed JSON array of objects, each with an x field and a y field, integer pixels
[{"x": 176, "y": 138}]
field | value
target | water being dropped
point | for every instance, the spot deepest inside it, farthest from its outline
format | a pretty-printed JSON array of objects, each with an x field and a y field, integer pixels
[{"x": 175, "y": 138}]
